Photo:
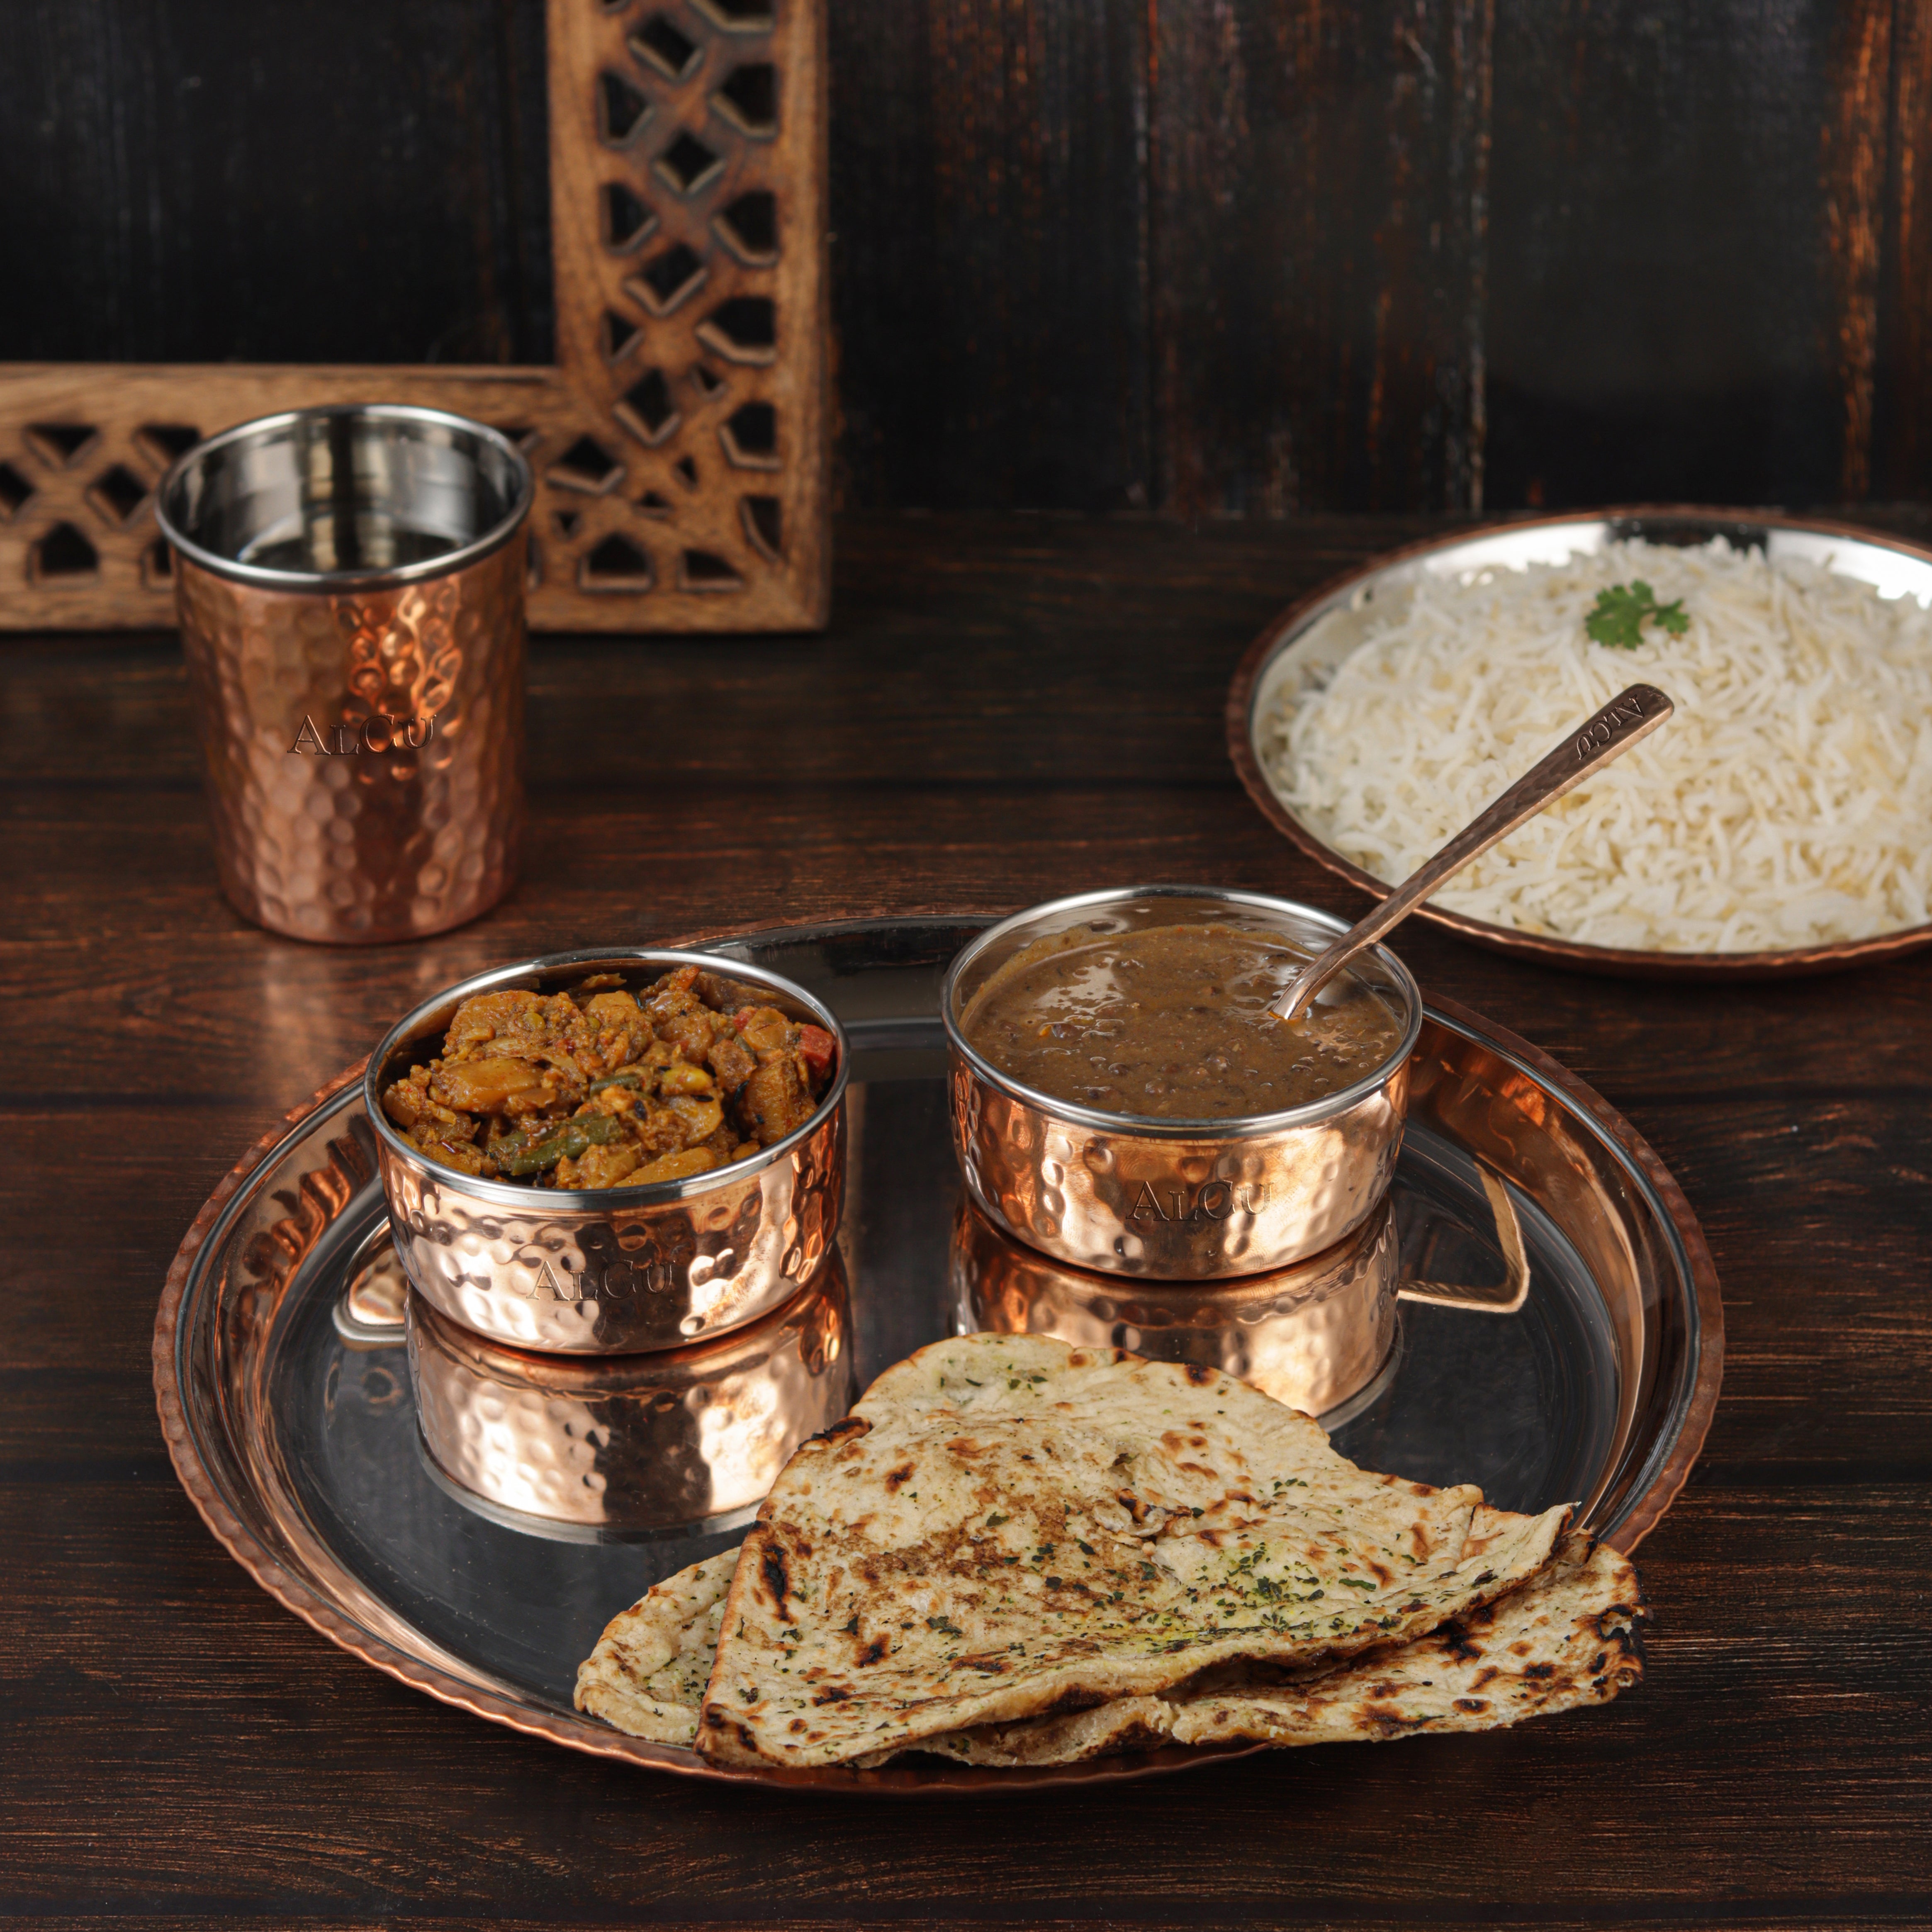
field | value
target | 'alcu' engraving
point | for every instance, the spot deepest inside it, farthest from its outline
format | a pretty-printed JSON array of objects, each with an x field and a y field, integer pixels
[
  {"x": 546, "y": 1283},
  {"x": 1597, "y": 733},
  {"x": 380, "y": 733},
  {"x": 1212, "y": 1200},
  {"x": 620, "y": 1280}
]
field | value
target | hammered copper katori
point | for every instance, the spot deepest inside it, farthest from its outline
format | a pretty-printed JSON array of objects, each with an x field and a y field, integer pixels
[
  {"x": 349, "y": 584},
  {"x": 1173, "y": 1200},
  {"x": 613, "y": 1270}
]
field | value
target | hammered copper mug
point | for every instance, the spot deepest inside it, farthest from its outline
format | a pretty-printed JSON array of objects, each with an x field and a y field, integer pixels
[{"x": 349, "y": 586}]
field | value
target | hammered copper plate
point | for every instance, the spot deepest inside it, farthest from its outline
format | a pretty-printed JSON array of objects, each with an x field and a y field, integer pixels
[
  {"x": 299, "y": 1444},
  {"x": 1894, "y": 567}
]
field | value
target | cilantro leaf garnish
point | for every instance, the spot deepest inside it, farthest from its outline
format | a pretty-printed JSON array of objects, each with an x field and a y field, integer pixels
[{"x": 1619, "y": 617}]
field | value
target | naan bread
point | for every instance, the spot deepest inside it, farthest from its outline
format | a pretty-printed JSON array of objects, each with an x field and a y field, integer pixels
[
  {"x": 648, "y": 1673},
  {"x": 1564, "y": 1638},
  {"x": 1007, "y": 1528}
]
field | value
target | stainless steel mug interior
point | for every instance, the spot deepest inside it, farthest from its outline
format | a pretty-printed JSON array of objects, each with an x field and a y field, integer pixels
[
  {"x": 616, "y": 1270},
  {"x": 349, "y": 583},
  {"x": 1174, "y": 1200}
]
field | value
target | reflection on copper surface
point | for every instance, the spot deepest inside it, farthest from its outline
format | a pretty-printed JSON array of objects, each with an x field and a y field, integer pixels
[
  {"x": 340, "y": 812},
  {"x": 370, "y": 1311},
  {"x": 1311, "y": 1336},
  {"x": 632, "y": 1442},
  {"x": 267, "y": 1250}
]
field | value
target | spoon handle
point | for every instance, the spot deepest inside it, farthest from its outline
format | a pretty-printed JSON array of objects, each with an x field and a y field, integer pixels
[{"x": 1631, "y": 714}]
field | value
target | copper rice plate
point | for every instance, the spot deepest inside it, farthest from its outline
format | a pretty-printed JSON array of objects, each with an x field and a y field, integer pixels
[
  {"x": 291, "y": 1413},
  {"x": 1292, "y": 646}
]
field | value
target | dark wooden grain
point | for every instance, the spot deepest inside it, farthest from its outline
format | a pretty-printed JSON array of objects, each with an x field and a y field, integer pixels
[
  {"x": 1903, "y": 373},
  {"x": 1248, "y": 258},
  {"x": 989, "y": 206},
  {"x": 1674, "y": 259},
  {"x": 1319, "y": 213},
  {"x": 187, "y": 181},
  {"x": 1004, "y": 708}
]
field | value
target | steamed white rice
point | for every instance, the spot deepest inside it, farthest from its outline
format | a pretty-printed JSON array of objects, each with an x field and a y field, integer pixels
[{"x": 1787, "y": 803}]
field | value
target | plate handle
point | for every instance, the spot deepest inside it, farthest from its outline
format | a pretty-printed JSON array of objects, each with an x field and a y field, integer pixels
[{"x": 1507, "y": 1299}]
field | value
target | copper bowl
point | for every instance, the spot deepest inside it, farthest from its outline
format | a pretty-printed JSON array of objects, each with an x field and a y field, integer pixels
[
  {"x": 617, "y": 1270},
  {"x": 1174, "y": 1200},
  {"x": 581, "y": 1451},
  {"x": 1302, "y": 641},
  {"x": 1315, "y": 1335}
]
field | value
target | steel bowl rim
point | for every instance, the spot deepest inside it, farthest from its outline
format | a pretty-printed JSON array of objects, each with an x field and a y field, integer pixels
[
  {"x": 337, "y": 583},
  {"x": 1141, "y": 1126},
  {"x": 1290, "y": 624},
  {"x": 554, "y": 1203}
]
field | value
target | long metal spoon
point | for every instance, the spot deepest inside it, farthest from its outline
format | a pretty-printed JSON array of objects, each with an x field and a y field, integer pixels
[{"x": 1630, "y": 715}]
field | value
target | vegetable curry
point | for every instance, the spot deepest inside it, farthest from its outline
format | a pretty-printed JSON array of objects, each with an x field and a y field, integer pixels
[{"x": 603, "y": 1088}]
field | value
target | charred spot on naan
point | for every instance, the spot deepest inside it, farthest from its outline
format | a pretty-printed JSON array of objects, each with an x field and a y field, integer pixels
[{"x": 849, "y": 1430}]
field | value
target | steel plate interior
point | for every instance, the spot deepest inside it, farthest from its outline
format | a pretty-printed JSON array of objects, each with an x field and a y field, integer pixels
[
  {"x": 302, "y": 1447},
  {"x": 1313, "y": 635}
]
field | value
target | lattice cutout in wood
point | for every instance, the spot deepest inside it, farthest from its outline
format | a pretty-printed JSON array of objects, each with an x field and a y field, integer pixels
[{"x": 680, "y": 441}]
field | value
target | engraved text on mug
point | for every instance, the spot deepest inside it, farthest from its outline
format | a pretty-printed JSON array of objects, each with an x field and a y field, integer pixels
[{"x": 379, "y": 732}]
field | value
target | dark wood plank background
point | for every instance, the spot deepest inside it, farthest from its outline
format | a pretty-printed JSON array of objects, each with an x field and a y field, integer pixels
[
  {"x": 1210, "y": 257},
  {"x": 1004, "y": 708}
]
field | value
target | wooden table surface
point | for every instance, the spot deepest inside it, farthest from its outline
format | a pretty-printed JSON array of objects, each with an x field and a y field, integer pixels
[{"x": 1003, "y": 710}]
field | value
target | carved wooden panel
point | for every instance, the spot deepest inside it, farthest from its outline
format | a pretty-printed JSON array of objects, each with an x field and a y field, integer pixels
[{"x": 680, "y": 443}]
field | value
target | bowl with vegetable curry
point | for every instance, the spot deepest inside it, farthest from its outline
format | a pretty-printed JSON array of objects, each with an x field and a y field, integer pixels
[{"x": 607, "y": 1152}]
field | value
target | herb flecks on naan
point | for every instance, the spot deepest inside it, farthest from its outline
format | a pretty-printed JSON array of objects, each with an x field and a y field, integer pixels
[
  {"x": 1007, "y": 1528},
  {"x": 1563, "y": 1638},
  {"x": 648, "y": 1673}
]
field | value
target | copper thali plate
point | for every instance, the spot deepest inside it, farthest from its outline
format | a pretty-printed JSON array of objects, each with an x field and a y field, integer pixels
[
  {"x": 295, "y": 1431},
  {"x": 1302, "y": 641}
]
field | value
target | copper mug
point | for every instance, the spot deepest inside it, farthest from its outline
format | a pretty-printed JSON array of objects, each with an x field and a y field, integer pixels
[{"x": 349, "y": 586}]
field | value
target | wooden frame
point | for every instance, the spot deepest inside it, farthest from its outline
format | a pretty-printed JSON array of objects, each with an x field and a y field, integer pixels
[{"x": 680, "y": 441}]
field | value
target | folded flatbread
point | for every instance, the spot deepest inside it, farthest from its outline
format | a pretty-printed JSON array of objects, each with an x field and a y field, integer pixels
[
  {"x": 648, "y": 1673},
  {"x": 1564, "y": 1638},
  {"x": 1006, "y": 1528}
]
